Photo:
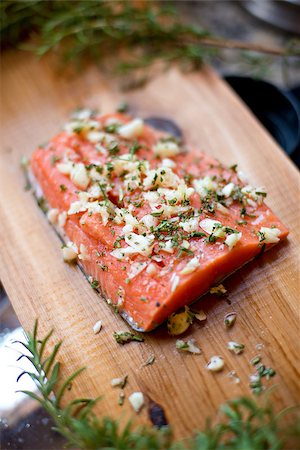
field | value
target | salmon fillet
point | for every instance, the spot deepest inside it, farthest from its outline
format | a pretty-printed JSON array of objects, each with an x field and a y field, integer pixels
[{"x": 153, "y": 223}]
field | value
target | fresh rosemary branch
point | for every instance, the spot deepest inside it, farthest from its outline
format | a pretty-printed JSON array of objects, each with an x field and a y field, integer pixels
[
  {"x": 245, "y": 424},
  {"x": 121, "y": 35}
]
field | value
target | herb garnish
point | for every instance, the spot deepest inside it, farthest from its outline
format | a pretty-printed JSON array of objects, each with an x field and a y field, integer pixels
[
  {"x": 239, "y": 421},
  {"x": 122, "y": 337}
]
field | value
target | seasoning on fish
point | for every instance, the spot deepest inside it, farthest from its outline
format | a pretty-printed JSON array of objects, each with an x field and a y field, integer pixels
[{"x": 153, "y": 223}]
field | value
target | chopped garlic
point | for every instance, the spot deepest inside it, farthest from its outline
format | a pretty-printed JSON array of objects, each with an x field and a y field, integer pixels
[
  {"x": 235, "y": 347},
  {"x": 208, "y": 225},
  {"x": 136, "y": 268},
  {"x": 77, "y": 207},
  {"x": 162, "y": 177},
  {"x": 136, "y": 400},
  {"x": 271, "y": 235},
  {"x": 151, "y": 269},
  {"x": 189, "y": 346},
  {"x": 203, "y": 185},
  {"x": 232, "y": 239},
  {"x": 222, "y": 209},
  {"x": 149, "y": 221},
  {"x": 141, "y": 244},
  {"x": 215, "y": 364},
  {"x": 95, "y": 136},
  {"x": 178, "y": 323},
  {"x": 119, "y": 382},
  {"x": 168, "y": 163},
  {"x": 228, "y": 189},
  {"x": 83, "y": 255},
  {"x": 62, "y": 217},
  {"x": 52, "y": 215},
  {"x": 79, "y": 176},
  {"x": 65, "y": 167},
  {"x": 191, "y": 266},
  {"x": 189, "y": 225},
  {"x": 132, "y": 129},
  {"x": 166, "y": 149},
  {"x": 218, "y": 290},
  {"x": 175, "y": 281},
  {"x": 201, "y": 316},
  {"x": 97, "y": 327},
  {"x": 70, "y": 252}
]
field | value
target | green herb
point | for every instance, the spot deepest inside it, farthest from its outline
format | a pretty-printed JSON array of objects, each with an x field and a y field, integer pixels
[
  {"x": 134, "y": 148},
  {"x": 234, "y": 167},
  {"x": 102, "y": 267},
  {"x": 196, "y": 234},
  {"x": 122, "y": 337},
  {"x": 242, "y": 423},
  {"x": 113, "y": 149},
  {"x": 95, "y": 284},
  {"x": 42, "y": 203},
  {"x": 184, "y": 251},
  {"x": 255, "y": 360},
  {"x": 261, "y": 235},
  {"x": 113, "y": 128},
  {"x": 62, "y": 187}
]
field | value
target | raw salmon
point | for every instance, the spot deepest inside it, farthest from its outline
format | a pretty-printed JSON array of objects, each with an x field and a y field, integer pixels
[{"x": 153, "y": 223}]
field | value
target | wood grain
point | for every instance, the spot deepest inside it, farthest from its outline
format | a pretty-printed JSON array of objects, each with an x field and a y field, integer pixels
[{"x": 265, "y": 294}]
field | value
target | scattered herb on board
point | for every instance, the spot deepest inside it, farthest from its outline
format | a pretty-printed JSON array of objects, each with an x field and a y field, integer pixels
[
  {"x": 241, "y": 423},
  {"x": 122, "y": 337},
  {"x": 149, "y": 361}
]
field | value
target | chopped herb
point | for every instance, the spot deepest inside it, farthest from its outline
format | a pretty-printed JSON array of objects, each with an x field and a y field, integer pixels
[
  {"x": 256, "y": 360},
  {"x": 234, "y": 167},
  {"x": 117, "y": 243},
  {"x": 184, "y": 250},
  {"x": 157, "y": 214},
  {"x": 102, "y": 267},
  {"x": 62, "y": 187},
  {"x": 42, "y": 204},
  {"x": 235, "y": 347},
  {"x": 196, "y": 234},
  {"x": 189, "y": 346},
  {"x": 149, "y": 361},
  {"x": 113, "y": 149},
  {"x": 95, "y": 284},
  {"x": 122, "y": 337},
  {"x": 119, "y": 382},
  {"x": 261, "y": 235},
  {"x": 134, "y": 148},
  {"x": 113, "y": 128}
]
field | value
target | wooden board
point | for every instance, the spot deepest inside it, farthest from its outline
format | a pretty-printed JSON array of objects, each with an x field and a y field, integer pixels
[{"x": 35, "y": 103}]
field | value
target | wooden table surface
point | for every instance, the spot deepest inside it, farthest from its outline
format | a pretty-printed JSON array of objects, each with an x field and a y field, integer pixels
[{"x": 265, "y": 294}]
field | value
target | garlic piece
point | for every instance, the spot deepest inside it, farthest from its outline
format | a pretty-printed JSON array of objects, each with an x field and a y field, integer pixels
[
  {"x": 136, "y": 400},
  {"x": 97, "y": 327},
  {"x": 215, "y": 364}
]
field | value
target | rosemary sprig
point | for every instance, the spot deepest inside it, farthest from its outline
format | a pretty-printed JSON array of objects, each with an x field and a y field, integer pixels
[
  {"x": 245, "y": 424},
  {"x": 135, "y": 34}
]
